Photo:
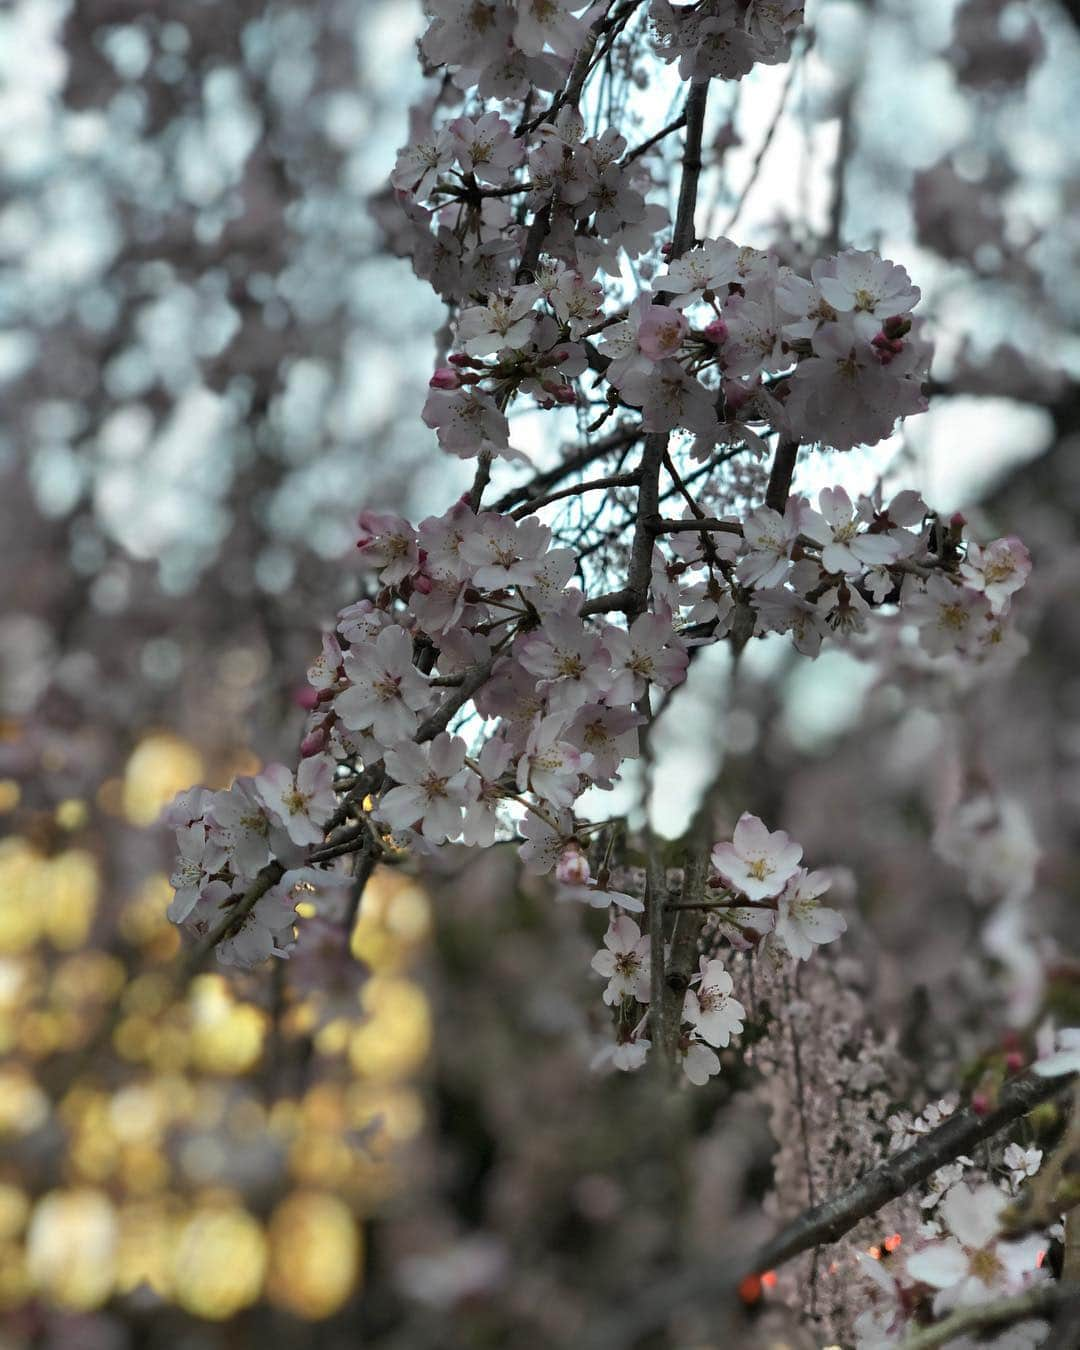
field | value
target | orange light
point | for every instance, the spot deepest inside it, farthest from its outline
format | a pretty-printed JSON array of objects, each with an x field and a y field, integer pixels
[
  {"x": 750, "y": 1289},
  {"x": 891, "y": 1243},
  {"x": 875, "y": 1252},
  {"x": 1039, "y": 1260},
  {"x": 768, "y": 1280}
]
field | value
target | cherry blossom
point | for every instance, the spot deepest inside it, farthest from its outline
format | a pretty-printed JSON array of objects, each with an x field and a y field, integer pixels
[
  {"x": 869, "y": 287},
  {"x": 698, "y": 1061},
  {"x": 303, "y": 801},
  {"x": 624, "y": 962},
  {"x": 502, "y": 552},
  {"x": 552, "y": 766},
  {"x": 770, "y": 538},
  {"x": 190, "y": 878},
  {"x": 803, "y": 923},
  {"x": 757, "y": 863},
  {"x": 385, "y": 690},
  {"x": 661, "y": 332},
  {"x": 844, "y": 547},
  {"x": 647, "y": 653},
  {"x": 709, "y": 1008},
  {"x": 999, "y": 570},
  {"x": 973, "y": 1264},
  {"x": 431, "y": 791}
]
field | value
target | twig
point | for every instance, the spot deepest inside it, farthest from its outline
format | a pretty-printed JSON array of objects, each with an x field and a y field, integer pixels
[
  {"x": 829, "y": 1221},
  {"x": 783, "y": 470},
  {"x": 1003, "y": 1312},
  {"x": 593, "y": 485},
  {"x": 234, "y": 917}
]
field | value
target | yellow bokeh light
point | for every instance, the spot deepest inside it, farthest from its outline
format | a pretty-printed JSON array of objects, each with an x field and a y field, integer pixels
[
  {"x": 68, "y": 895},
  {"x": 394, "y": 917},
  {"x": 226, "y": 1037},
  {"x": 219, "y": 1262},
  {"x": 144, "y": 922},
  {"x": 23, "y": 1105},
  {"x": 14, "y": 1210},
  {"x": 89, "y": 976},
  {"x": 161, "y": 765},
  {"x": 20, "y": 910},
  {"x": 394, "y": 1038},
  {"x": 10, "y": 793},
  {"x": 148, "y": 1230},
  {"x": 315, "y": 1252},
  {"x": 15, "y": 1284},
  {"x": 72, "y": 813},
  {"x": 71, "y": 1248}
]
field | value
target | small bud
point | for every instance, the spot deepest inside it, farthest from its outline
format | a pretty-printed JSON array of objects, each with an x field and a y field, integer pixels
[
  {"x": 459, "y": 359},
  {"x": 313, "y": 742},
  {"x": 980, "y": 1102},
  {"x": 445, "y": 378},
  {"x": 1014, "y": 1061},
  {"x": 896, "y": 326},
  {"x": 306, "y": 697},
  {"x": 572, "y": 869},
  {"x": 717, "y": 331},
  {"x": 421, "y": 583}
]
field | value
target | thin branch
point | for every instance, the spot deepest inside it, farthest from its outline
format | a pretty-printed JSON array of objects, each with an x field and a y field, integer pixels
[
  {"x": 645, "y": 146},
  {"x": 575, "y": 489},
  {"x": 1003, "y": 1312},
  {"x": 234, "y": 916},
  {"x": 829, "y": 1221},
  {"x": 783, "y": 470}
]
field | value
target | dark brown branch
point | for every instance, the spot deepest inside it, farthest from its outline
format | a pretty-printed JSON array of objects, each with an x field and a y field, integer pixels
[
  {"x": 593, "y": 485},
  {"x": 645, "y": 146},
  {"x": 579, "y": 459},
  {"x": 234, "y": 916},
  {"x": 783, "y": 470},
  {"x": 829, "y": 1221}
]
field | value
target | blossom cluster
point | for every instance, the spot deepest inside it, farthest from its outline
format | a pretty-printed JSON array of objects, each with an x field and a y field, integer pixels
[
  {"x": 483, "y": 602},
  {"x": 505, "y": 48},
  {"x": 764, "y": 900},
  {"x": 728, "y": 347},
  {"x": 962, "y": 1259}
]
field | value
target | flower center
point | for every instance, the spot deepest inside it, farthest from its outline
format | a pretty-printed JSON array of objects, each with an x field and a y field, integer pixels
[{"x": 984, "y": 1265}]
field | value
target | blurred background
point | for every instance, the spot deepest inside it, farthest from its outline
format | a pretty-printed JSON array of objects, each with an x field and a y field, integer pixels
[{"x": 209, "y": 361}]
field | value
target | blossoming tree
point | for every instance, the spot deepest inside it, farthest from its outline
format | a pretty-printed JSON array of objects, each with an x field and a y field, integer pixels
[{"x": 637, "y": 400}]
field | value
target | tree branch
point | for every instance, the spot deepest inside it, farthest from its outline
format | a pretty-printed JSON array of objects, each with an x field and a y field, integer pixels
[
  {"x": 1003, "y": 1312},
  {"x": 830, "y": 1220},
  {"x": 783, "y": 470}
]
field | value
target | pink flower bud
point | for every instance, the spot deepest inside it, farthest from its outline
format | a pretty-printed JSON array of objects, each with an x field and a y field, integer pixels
[
  {"x": 306, "y": 697},
  {"x": 896, "y": 326},
  {"x": 313, "y": 742},
  {"x": 717, "y": 331},
  {"x": 459, "y": 359},
  {"x": 445, "y": 378},
  {"x": 980, "y": 1102},
  {"x": 1014, "y": 1061},
  {"x": 422, "y": 583},
  {"x": 572, "y": 869}
]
